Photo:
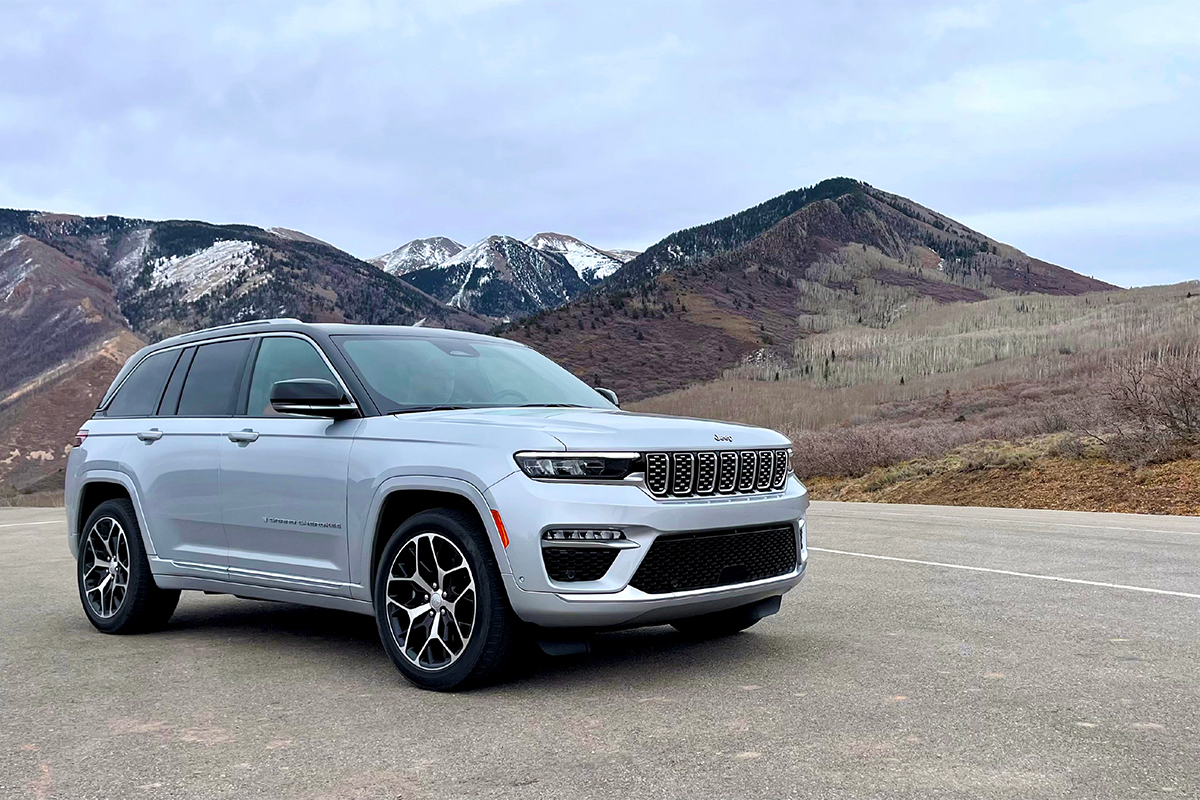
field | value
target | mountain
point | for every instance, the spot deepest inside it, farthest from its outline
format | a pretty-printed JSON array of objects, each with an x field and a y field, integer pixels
[
  {"x": 744, "y": 288},
  {"x": 500, "y": 276},
  {"x": 624, "y": 256},
  {"x": 79, "y": 295},
  {"x": 418, "y": 254},
  {"x": 591, "y": 264}
]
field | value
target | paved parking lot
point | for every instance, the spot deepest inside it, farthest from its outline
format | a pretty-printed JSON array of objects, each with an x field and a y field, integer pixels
[{"x": 912, "y": 677}]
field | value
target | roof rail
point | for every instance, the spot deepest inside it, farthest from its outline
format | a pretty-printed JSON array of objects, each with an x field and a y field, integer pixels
[{"x": 238, "y": 325}]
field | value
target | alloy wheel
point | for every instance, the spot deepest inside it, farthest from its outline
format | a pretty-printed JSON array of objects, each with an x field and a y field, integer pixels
[
  {"x": 106, "y": 567},
  {"x": 431, "y": 601}
]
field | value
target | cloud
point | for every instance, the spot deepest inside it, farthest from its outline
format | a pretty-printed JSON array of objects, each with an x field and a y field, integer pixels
[{"x": 368, "y": 123}]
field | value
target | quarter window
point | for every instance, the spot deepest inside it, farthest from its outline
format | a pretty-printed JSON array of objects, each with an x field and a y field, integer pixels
[
  {"x": 282, "y": 358},
  {"x": 211, "y": 386},
  {"x": 140, "y": 392}
]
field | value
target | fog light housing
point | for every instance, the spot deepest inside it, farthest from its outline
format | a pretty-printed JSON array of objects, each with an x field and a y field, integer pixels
[{"x": 582, "y": 534}]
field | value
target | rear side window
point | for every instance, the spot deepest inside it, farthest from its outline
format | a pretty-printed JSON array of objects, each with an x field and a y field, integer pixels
[
  {"x": 282, "y": 358},
  {"x": 212, "y": 382},
  {"x": 140, "y": 392}
]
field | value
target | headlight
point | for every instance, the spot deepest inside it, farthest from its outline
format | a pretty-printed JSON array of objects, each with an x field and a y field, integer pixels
[{"x": 578, "y": 466}]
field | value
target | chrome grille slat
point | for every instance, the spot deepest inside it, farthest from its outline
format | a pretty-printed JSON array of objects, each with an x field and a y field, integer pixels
[
  {"x": 700, "y": 473},
  {"x": 779, "y": 472},
  {"x": 684, "y": 473},
  {"x": 656, "y": 473},
  {"x": 766, "y": 460},
  {"x": 747, "y": 461},
  {"x": 706, "y": 473},
  {"x": 729, "y": 470}
]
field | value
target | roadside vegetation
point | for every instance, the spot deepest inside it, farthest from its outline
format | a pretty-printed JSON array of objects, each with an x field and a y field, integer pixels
[{"x": 1105, "y": 383}]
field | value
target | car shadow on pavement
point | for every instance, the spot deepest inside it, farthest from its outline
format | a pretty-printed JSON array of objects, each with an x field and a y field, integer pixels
[{"x": 619, "y": 655}]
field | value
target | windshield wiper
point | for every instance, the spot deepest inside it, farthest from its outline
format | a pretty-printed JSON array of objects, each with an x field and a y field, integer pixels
[
  {"x": 415, "y": 409},
  {"x": 551, "y": 405}
]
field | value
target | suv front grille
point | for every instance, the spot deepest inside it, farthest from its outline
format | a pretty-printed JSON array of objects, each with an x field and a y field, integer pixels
[
  {"x": 707, "y": 559},
  {"x": 687, "y": 474}
]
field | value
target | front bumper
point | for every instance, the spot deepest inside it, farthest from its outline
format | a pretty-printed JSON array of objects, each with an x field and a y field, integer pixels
[{"x": 529, "y": 507}]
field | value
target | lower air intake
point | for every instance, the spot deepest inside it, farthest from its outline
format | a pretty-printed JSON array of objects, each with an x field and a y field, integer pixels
[{"x": 680, "y": 562}]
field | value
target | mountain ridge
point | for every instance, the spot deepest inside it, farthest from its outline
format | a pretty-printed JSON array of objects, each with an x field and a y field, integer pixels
[
  {"x": 502, "y": 276},
  {"x": 745, "y": 287}
]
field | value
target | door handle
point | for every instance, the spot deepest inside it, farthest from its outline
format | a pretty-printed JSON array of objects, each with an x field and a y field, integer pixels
[
  {"x": 152, "y": 435},
  {"x": 243, "y": 437}
]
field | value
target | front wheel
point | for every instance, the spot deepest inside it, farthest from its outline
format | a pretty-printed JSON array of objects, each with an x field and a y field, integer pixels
[
  {"x": 440, "y": 606},
  {"x": 115, "y": 584}
]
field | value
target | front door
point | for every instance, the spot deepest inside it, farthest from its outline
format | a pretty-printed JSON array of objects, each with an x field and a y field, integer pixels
[{"x": 283, "y": 481}]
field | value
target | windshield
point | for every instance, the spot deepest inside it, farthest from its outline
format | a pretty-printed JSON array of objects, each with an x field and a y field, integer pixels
[{"x": 413, "y": 373}]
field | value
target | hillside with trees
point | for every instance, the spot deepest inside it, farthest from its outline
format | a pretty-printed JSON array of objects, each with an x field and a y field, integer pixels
[{"x": 842, "y": 254}]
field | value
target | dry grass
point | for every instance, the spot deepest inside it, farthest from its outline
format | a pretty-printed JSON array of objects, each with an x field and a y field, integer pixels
[
  {"x": 1027, "y": 474},
  {"x": 1001, "y": 369},
  {"x": 1009, "y": 401},
  {"x": 31, "y": 499}
]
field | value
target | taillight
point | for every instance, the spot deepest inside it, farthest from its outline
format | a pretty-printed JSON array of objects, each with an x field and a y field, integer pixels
[{"x": 79, "y": 437}]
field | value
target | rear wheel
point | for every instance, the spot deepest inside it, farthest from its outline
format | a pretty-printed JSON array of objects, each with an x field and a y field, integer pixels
[
  {"x": 115, "y": 584},
  {"x": 440, "y": 606}
]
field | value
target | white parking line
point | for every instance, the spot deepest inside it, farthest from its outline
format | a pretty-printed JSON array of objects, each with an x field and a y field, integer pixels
[
  {"x": 23, "y": 524},
  {"x": 1010, "y": 572},
  {"x": 965, "y": 519}
]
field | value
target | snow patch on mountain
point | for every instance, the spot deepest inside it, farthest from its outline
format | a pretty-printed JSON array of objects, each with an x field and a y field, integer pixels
[
  {"x": 297, "y": 236},
  {"x": 208, "y": 269},
  {"x": 624, "y": 256},
  {"x": 12, "y": 244},
  {"x": 418, "y": 254},
  {"x": 14, "y": 270},
  {"x": 131, "y": 252},
  {"x": 590, "y": 263},
  {"x": 535, "y": 279}
]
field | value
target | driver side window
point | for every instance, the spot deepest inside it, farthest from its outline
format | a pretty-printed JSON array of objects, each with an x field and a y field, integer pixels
[{"x": 282, "y": 358}]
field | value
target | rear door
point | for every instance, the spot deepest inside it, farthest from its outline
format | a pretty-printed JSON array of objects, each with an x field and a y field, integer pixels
[
  {"x": 175, "y": 459},
  {"x": 283, "y": 479}
]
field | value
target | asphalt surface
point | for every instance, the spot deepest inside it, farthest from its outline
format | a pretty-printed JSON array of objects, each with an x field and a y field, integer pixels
[{"x": 879, "y": 678}]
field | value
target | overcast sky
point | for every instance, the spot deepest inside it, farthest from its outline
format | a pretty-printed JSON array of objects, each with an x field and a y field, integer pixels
[{"x": 1070, "y": 131}]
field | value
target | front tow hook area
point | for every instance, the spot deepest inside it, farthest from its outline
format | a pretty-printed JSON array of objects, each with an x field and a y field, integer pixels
[{"x": 567, "y": 644}]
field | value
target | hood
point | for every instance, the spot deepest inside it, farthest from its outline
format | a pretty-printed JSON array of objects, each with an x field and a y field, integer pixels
[{"x": 600, "y": 429}]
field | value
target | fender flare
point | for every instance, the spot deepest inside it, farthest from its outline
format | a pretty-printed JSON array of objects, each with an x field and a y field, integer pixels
[
  {"x": 465, "y": 489},
  {"x": 118, "y": 477}
]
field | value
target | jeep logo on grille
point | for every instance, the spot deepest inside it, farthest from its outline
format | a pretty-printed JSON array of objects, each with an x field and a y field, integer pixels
[{"x": 719, "y": 438}]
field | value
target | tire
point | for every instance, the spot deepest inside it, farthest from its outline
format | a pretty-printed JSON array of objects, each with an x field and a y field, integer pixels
[
  {"x": 136, "y": 606},
  {"x": 444, "y": 635},
  {"x": 727, "y": 623}
]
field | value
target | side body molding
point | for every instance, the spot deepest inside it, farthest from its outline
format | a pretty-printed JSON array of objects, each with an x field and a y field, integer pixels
[{"x": 364, "y": 524}]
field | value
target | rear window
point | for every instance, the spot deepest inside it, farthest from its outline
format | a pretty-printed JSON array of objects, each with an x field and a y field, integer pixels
[
  {"x": 140, "y": 392},
  {"x": 212, "y": 382}
]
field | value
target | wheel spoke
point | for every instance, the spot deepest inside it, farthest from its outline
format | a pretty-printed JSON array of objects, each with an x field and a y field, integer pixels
[
  {"x": 431, "y": 581},
  {"x": 106, "y": 571}
]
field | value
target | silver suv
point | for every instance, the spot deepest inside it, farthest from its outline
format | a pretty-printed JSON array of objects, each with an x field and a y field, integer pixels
[{"x": 464, "y": 490}]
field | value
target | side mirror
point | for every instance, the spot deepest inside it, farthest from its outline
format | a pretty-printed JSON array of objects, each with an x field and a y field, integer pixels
[
  {"x": 609, "y": 395},
  {"x": 312, "y": 397}
]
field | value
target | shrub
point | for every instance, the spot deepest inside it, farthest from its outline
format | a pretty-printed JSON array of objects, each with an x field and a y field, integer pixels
[{"x": 1154, "y": 409}]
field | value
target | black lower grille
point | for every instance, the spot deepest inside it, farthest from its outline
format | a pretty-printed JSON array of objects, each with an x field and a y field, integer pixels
[
  {"x": 569, "y": 564},
  {"x": 682, "y": 561}
]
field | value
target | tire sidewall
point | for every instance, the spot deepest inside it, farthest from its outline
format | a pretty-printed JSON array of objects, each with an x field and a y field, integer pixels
[
  {"x": 139, "y": 573},
  {"x": 487, "y": 585}
]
